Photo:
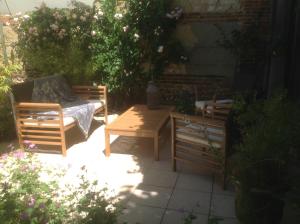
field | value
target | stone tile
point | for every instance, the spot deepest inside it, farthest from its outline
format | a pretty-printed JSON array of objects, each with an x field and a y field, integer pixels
[
  {"x": 162, "y": 165},
  {"x": 176, "y": 217},
  {"x": 194, "y": 182},
  {"x": 223, "y": 206},
  {"x": 222, "y": 220},
  {"x": 195, "y": 201},
  {"x": 160, "y": 178},
  {"x": 141, "y": 214},
  {"x": 217, "y": 188},
  {"x": 151, "y": 196}
]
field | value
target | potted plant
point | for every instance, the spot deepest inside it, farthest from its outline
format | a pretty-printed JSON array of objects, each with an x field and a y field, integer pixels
[{"x": 259, "y": 166}]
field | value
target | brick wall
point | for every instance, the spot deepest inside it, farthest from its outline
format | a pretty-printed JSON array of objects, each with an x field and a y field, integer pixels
[{"x": 198, "y": 33}]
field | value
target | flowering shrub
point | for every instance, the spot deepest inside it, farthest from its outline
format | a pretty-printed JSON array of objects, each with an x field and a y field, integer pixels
[
  {"x": 30, "y": 193},
  {"x": 120, "y": 45},
  {"x": 131, "y": 43},
  {"x": 56, "y": 40}
]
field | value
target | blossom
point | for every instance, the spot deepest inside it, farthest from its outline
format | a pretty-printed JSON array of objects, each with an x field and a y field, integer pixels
[
  {"x": 54, "y": 27},
  {"x": 93, "y": 33},
  {"x": 31, "y": 146},
  {"x": 160, "y": 49},
  {"x": 95, "y": 17},
  {"x": 118, "y": 15},
  {"x": 16, "y": 19},
  {"x": 18, "y": 13},
  {"x": 136, "y": 36},
  {"x": 125, "y": 28},
  {"x": 82, "y": 18},
  {"x": 31, "y": 201},
  {"x": 100, "y": 13},
  {"x": 19, "y": 154},
  {"x": 26, "y": 17},
  {"x": 62, "y": 33},
  {"x": 74, "y": 16}
]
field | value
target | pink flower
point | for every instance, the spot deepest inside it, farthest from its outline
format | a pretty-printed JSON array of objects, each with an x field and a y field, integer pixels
[
  {"x": 31, "y": 146},
  {"x": 19, "y": 154},
  {"x": 31, "y": 202}
]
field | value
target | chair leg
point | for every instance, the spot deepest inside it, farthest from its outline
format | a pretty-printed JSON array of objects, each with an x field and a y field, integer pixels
[
  {"x": 63, "y": 144},
  {"x": 105, "y": 115}
]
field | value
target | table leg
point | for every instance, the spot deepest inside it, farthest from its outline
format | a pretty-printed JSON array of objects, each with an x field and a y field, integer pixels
[
  {"x": 107, "y": 143},
  {"x": 156, "y": 151}
]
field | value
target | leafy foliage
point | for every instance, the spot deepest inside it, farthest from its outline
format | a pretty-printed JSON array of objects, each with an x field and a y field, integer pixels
[
  {"x": 55, "y": 41},
  {"x": 7, "y": 129},
  {"x": 131, "y": 42},
  {"x": 185, "y": 102},
  {"x": 270, "y": 129},
  {"x": 122, "y": 46},
  {"x": 32, "y": 193}
]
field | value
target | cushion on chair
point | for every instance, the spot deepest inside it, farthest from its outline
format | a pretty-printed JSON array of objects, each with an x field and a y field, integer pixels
[{"x": 198, "y": 133}]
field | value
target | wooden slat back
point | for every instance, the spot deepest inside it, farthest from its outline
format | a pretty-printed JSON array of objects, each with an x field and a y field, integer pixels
[
  {"x": 199, "y": 140},
  {"x": 90, "y": 92}
]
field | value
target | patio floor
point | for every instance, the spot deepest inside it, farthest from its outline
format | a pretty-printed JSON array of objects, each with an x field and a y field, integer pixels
[{"x": 149, "y": 191}]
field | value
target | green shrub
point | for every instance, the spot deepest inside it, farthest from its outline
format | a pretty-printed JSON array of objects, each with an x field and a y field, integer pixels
[
  {"x": 7, "y": 127},
  {"x": 122, "y": 46},
  {"x": 270, "y": 129},
  {"x": 131, "y": 43},
  {"x": 32, "y": 193},
  {"x": 56, "y": 41}
]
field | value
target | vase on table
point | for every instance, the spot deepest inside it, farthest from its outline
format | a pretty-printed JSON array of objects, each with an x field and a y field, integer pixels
[{"x": 153, "y": 96}]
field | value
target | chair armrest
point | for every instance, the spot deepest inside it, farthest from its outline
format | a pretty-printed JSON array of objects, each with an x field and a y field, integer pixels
[
  {"x": 91, "y": 92},
  {"x": 36, "y": 111}
]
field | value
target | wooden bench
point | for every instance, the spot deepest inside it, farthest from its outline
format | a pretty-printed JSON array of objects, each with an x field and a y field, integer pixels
[{"x": 49, "y": 129}]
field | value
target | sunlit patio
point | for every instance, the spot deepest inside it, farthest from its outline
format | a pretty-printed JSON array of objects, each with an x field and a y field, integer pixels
[{"x": 147, "y": 190}]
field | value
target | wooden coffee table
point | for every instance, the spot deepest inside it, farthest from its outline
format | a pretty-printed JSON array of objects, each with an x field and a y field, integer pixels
[{"x": 139, "y": 121}]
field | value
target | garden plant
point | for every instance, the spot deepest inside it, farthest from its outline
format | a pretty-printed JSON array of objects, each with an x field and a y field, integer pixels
[
  {"x": 269, "y": 133},
  {"x": 33, "y": 193}
]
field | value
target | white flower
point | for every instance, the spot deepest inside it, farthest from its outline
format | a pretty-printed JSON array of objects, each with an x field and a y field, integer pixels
[
  {"x": 16, "y": 19},
  {"x": 168, "y": 15},
  {"x": 160, "y": 49},
  {"x": 125, "y": 28},
  {"x": 18, "y": 13},
  {"x": 136, "y": 36},
  {"x": 93, "y": 33},
  {"x": 26, "y": 17},
  {"x": 118, "y": 15},
  {"x": 95, "y": 17},
  {"x": 82, "y": 18},
  {"x": 54, "y": 27},
  {"x": 100, "y": 13},
  {"x": 74, "y": 16}
]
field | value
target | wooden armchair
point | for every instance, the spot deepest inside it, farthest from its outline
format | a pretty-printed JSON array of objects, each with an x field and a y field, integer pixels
[
  {"x": 34, "y": 126},
  {"x": 200, "y": 142}
]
